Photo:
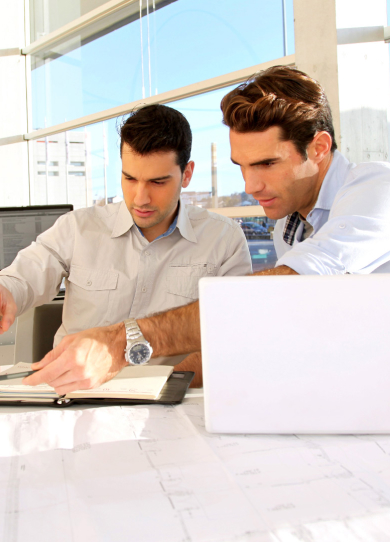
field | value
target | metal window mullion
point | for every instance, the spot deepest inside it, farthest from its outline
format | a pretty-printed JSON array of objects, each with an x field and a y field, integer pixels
[
  {"x": 188, "y": 91},
  {"x": 79, "y": 24},
  {"x": 30, "y": 156},
  {"x": 284, "y": 19}
]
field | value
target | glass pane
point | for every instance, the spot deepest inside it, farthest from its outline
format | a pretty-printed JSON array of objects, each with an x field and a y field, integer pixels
[
  {"x": 81, "y": 167},
  {"x": 217, "y": 182},
  {"x": 92, "y": 155},
  {"x": 259, "y": 235},
  {"x": 49, "y": 15},
  {"x": 181, "y": 43}
]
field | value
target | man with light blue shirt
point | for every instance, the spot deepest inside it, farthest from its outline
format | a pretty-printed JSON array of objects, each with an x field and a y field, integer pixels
[
  {"x": 333, "y": 216},
  {"x": 347, "y": 231}
]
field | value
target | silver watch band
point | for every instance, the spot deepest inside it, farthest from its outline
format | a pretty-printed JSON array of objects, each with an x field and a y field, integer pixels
[
  {"x": 133, "y": 331},
  {"x": 136, "y": 343}
]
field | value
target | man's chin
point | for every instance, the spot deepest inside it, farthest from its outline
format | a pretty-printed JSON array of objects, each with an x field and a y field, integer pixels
[
  {"x": 144, "y": 221},
  {"x": 274, "y": 214}
]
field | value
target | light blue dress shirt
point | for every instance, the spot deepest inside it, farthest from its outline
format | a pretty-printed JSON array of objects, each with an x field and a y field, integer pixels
[{"x": 351, "y": 223}]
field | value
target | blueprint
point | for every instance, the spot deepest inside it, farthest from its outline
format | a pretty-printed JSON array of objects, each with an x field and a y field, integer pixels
[{"x": 152, "y": 473}]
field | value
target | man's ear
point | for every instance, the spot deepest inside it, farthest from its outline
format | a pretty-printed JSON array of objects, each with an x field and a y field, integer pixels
[
  {"x": 187, "y": 174},
  {"x": 320, "y": 147}
]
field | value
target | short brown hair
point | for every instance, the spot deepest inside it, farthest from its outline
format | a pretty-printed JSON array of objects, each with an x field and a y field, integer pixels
[
  {"x": 280, "y": 96},
  {"x": 158, "y": 128}
]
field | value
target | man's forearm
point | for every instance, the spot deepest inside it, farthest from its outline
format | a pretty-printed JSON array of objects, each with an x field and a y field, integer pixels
[
  {"x": 280, "y": 270},
  {"x": 174, "y": 332},
  {"x": 178, "y": 331},
  {"x": 193, "y": 362}
]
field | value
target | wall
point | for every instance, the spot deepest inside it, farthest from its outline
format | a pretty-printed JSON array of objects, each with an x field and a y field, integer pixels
[{"x": 13, "y": 108}]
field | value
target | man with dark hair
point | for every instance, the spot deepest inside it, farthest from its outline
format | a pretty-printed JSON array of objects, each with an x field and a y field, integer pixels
[
  {"x": 333, "y": 217},
  {"x": 158, "y": 128},
  {"x": 127, "y": 260}
]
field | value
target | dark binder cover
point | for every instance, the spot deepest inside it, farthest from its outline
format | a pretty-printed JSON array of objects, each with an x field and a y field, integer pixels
[{"x": 172, "y": 394}]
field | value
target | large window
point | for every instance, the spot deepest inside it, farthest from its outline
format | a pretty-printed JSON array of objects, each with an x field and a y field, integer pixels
[
  {"x": 154, "y": 47},
  {"x": 138, "y": 52},
  {"x": 91, "y": 62},
  {"x": 93, "y": 153}
]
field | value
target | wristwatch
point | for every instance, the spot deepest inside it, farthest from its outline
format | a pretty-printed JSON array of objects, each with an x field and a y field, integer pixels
[{"x": 138, "y": 351}]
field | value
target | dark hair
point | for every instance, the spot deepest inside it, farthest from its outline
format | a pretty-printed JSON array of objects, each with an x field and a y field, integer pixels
[
  {"x": 158, "y": 128},
  {"x": 280, "y": 96}
]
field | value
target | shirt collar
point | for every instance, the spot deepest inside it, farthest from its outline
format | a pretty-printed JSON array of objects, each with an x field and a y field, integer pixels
[
  {"x": 184, "y": 224},
  {"x": 124, "y": 221},
  {"x": 331, "y": 184},
  {"x": 170, "y": 230}
]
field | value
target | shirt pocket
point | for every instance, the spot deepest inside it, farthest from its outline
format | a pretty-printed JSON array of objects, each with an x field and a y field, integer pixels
[
  {"x": 183, "y": 279},
  {"x": 91, "y": 295}
]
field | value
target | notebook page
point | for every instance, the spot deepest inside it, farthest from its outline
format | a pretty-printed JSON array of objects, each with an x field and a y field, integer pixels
[{"x": 145, "y": 382}]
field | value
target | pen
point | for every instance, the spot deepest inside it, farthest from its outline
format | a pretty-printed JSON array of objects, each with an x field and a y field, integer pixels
[{"x": 17, "y": 375}]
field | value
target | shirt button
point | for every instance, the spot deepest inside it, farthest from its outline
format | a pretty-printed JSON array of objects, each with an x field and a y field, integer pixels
[
  {"x": 342, "y": 226},
  {"x": 144, "y": 289},
  {"x": 89, "y": 282},
  {"x": 147, "y": 253}
]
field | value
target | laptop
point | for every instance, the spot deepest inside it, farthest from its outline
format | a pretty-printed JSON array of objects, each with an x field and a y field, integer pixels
[{"x": 296, "y": 354}]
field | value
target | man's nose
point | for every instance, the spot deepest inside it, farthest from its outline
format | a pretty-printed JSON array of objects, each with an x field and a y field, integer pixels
[
  {"x": 142, "y": 196},
  {"x": 253, "y": 182}
]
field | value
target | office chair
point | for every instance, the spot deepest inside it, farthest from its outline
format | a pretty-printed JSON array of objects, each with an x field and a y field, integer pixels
[{"x": 35, "y": 331}]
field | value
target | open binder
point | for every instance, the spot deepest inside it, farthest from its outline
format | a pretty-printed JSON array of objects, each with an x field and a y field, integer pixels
[{"x": 132, "y": 386}]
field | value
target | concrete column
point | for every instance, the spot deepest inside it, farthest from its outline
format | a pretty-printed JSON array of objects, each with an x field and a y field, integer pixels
[
  {"x": 14, "y": 183},
  {"x": 354, "y": 73},
  {"x": 363, "y": 81},
  {"x": 316, "y": 48}
]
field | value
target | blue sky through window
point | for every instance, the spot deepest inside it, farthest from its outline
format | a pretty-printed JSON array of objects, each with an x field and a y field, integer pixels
[{"x": 189, "y": 41}]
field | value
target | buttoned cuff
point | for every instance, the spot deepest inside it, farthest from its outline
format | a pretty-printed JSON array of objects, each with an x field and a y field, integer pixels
[{"x": 18, "y": 291}]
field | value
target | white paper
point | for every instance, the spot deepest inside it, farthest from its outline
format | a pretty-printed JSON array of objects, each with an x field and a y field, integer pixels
[{"x": 152, "y": 473}]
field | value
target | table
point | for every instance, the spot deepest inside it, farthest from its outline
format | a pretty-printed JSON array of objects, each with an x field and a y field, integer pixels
[{"x": 153, "y": 474}]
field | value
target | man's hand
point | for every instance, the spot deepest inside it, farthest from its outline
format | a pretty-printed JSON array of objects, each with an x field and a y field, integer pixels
[
  {"x": 82, "y": 361},
  {"x": 7, "y": 309}
]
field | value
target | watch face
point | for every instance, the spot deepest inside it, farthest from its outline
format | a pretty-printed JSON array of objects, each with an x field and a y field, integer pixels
[{"x": 139, "y": 354}]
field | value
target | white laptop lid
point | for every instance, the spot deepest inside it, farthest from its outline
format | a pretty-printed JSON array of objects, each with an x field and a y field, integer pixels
[{"x": 296, "y": 354}]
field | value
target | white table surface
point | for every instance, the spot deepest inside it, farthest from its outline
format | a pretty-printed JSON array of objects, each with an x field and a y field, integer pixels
[{"x": 152, "y": 473}]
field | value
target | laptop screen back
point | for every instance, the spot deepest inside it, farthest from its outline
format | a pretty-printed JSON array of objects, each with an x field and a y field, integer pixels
[{"x": 288, "y": 354}]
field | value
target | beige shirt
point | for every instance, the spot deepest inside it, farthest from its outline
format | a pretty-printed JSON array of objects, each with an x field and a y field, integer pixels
[{"x": 112, "y": 272}]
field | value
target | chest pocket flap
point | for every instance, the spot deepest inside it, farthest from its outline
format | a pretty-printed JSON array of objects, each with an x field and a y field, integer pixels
[
  {"x": 183, "y": 279},
  {"x": 93, "y": 279}
]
